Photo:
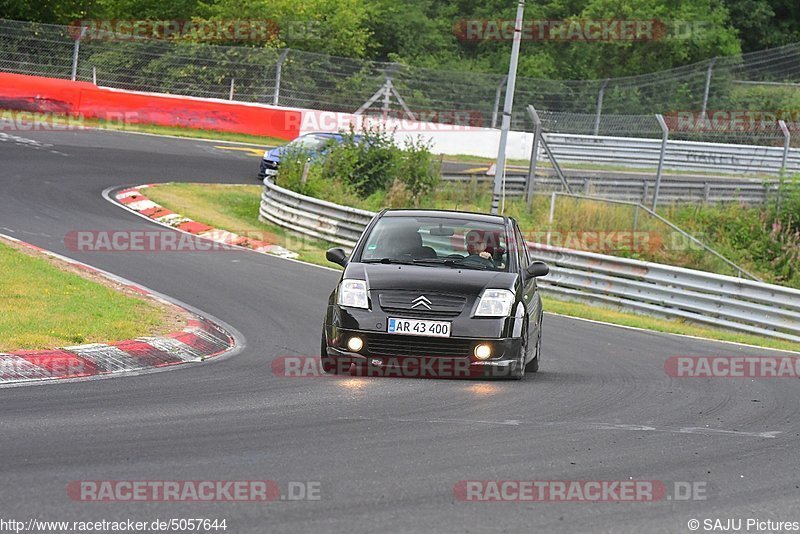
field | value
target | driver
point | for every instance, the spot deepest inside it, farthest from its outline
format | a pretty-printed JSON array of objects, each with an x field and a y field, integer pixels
[{"x": 476, "y": 245}]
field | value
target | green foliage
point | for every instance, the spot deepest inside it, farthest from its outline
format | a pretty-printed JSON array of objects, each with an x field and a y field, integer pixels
[
  {"x": 418, "y": 170},
  {"x": 366, "y": 164},
  {"x": 50, "y": 12},
  {"x": 421, "y": 32},
  {"x": 335, "y": 27},
  {"x": 363, "y": 168},
  {"x": 764, "y": 240}
]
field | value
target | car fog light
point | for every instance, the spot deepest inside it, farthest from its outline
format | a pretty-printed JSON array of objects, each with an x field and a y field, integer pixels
[
  {"x": 483, "y": 351},
  {"x": 355, "y": 344}
]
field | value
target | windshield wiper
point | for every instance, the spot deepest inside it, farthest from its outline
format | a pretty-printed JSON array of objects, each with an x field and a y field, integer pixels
[
  {"x": 453, "y": 262},
  {"x": 388, "y": 261}
]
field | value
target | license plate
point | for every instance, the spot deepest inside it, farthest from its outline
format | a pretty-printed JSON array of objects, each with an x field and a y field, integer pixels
[{"x": 416, "y": 327}]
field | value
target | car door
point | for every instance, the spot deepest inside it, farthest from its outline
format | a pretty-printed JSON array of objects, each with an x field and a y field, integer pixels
[{"x": 529, "y": 290}]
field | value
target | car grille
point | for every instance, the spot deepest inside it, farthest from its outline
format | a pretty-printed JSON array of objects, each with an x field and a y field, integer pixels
[
  {"x": 396, "y": 345},
  {"x": 402, "y": 302}
]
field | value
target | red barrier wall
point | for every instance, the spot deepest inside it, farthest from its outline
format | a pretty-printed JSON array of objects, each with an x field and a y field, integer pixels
[{"x": 34, "y": 93}]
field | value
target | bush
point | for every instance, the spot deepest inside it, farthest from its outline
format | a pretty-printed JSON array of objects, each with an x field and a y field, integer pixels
[
  {"x": 367, "y": 166},
  {"x": 367, "y": 162}
]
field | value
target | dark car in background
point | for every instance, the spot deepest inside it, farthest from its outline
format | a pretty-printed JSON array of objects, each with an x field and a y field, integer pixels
[
  {"x": 436, "y": 286},
  {"x": 313, "y": 143}
]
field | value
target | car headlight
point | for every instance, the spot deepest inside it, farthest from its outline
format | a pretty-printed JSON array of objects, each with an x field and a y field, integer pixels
[
  {"x": 495, "y": 303},
  {"x": 353, "y": 294}
]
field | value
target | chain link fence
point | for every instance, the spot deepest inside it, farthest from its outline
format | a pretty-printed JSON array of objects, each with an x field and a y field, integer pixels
[{"x": 286, "y": 77}]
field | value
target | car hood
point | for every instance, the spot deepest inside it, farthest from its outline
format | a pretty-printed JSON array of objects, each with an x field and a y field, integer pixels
[
  {"x": 275, "y": 153},
  {"x": 433, "y": 279}
]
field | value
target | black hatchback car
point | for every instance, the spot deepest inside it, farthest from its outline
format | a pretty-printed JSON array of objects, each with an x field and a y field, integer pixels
[{"x": 436, "y": 293}]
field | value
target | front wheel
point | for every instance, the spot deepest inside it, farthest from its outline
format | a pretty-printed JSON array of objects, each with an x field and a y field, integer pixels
[
  {"x": 329, "y": 365},
  {"x": 518, "y": 372},
  {"x": 533, "y": 365}
]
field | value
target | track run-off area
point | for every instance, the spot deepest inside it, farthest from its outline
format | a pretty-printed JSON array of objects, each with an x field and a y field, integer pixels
[{"x": 384, "y": 453}]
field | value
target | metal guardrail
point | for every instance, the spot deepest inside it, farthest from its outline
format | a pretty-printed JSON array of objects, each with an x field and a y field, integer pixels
[
  {"x": 673, "y": 292},
  {"x": 312, "y": 217},
  {"x": 640, "y": 189},
  {"x": 679, "y": 155},
  {"x": 662, "y": 290}
]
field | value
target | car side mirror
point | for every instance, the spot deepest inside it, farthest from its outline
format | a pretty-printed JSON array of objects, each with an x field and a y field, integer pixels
[
  {"x": 336, "y": 255},
  {"x": 536, "y": 269}
]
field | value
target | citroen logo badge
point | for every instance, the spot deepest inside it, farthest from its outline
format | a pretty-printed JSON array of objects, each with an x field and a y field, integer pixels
[{"x": 422, "y": 300}]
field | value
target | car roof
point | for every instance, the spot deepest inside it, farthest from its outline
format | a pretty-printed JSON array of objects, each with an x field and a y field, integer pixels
[
  {"x": 453, "y": 214},
  {"x": 334, "y": 135}
]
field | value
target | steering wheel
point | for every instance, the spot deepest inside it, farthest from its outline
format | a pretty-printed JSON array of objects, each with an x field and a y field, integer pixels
[{"x": 480, "y": 260}]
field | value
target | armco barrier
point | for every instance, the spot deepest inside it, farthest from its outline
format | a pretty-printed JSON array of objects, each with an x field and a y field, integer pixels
[
  {"x": 33, "y": 93},
  {"x": 662, "y": 290},
  {"x": 680, "y": 155},
  {"x": 311, "y": 216},
  {"x": 714, "y": 190}
]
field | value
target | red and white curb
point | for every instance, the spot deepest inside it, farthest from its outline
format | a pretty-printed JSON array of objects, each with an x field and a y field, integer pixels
[
  {"x": 133, "y": 199},
  {"x": 199, "y": 340}
]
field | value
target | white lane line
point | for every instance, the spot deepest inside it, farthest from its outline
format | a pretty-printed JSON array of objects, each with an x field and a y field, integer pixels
[
  {"x": 706, "y": 431},
  {"x": 507, "y": 422}
]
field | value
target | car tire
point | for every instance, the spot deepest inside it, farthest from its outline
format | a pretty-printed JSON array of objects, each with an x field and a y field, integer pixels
[
  {"x": 518, "y": 372},
  {"x": 533, "y": 365},
  {"x": 329, "y": 365}
]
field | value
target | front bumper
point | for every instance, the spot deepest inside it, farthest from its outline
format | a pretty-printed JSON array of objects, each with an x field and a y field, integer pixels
[
  {"x": 267, "y": 168},
  {"x": 418, "y": 364}
]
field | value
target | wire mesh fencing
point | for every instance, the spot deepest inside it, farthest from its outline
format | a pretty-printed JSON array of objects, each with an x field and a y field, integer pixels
[{"x": 718, "y": 90}]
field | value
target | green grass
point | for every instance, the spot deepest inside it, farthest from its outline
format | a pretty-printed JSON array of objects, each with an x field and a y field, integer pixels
[
  {"x": 44, "y": 306},
  {"x": 235, "y": 208},
  {"x": 522, "y": 165},
  {"x": 177, "y": 131}
]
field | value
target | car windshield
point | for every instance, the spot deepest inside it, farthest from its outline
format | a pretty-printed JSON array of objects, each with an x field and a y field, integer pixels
[
  {"x": 444, "y": 242},
  {"x": 310, "y": 142}
]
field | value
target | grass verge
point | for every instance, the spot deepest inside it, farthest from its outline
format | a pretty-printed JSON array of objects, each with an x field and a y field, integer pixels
[
  {"x": 64, "y": 121},
  {"x": 521, "y": 165},
  {"x": 48, "y": 304},
  {"x": 233, "y": 208}
]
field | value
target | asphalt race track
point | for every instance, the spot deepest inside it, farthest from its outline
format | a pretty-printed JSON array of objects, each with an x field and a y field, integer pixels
[{"x": 386, "y": 452}]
